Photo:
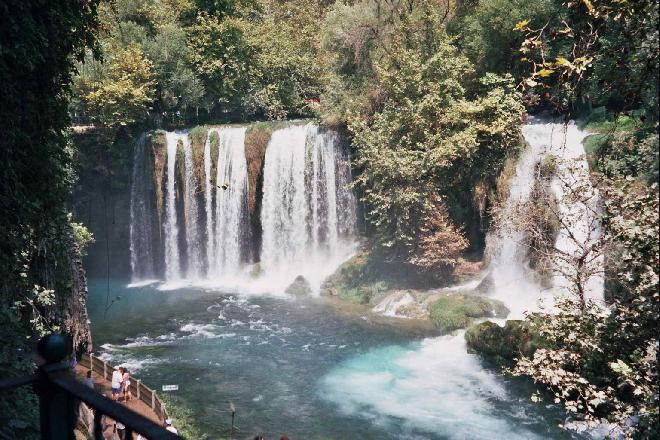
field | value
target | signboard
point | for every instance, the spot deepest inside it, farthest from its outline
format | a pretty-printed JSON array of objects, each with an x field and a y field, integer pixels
[{"x": 170, "y": 387}]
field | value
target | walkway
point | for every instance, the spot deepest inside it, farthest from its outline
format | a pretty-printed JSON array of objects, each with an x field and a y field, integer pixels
[{"x": 103, "y": 387}]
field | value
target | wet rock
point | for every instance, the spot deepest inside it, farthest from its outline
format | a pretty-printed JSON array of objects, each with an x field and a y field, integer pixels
[
  {"x": 255, "y": 270},
  {"x": 402, "y": 304},
  {"x": 452, "y": 311},
  {"x": 299, "y": 287},
  {"x": 503, "y": 344}
]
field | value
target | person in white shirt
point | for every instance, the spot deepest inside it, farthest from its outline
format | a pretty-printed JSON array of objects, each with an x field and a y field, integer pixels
[
  {"x": 169, "y": 427},
  {"x": 116, "y": 383}
]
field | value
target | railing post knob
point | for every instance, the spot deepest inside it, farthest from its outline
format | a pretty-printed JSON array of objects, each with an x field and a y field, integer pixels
[{"x": 57, "y": 408}]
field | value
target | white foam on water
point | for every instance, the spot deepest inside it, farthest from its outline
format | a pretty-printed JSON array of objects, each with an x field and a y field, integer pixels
[
  {"x": 142, "y": 283},
  {"x": 131, "y": 363},
  {"x": 437, "y": 387}
]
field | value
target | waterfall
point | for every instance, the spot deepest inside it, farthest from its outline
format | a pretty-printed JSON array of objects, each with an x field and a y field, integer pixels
[
  {"x": 307, "y": 209},
  {"x": 172, "y": 263},
  {"x": 193, "y": 239},
  {"x": 208, "y": 201},
  {"x": 141, "y": 215},
  {"x": 579, "y": 207},
  {"x": 308, "y": 212},
  {"x": 231, "y": 220},
  {"x": 512, "y": 280}
]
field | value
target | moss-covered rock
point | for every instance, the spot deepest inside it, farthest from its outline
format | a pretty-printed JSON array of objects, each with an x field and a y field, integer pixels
[
  {"x": 256, "y": 141},
  {"x": 159, "y": 151},
  {"x": 355, "y": 281},
  {"x": 452, "y": 311},
  {"x": 503, "y": 344},
  {"x": 299, "y": 287},
  {"x": 198, "y": 137}
]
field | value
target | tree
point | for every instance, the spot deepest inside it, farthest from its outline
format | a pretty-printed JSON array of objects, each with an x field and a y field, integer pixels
[
  {"x": 126, "y": 93},
  {"x": 600, "y": 361},
  {"x": 222, "y": 57},
  {"x": 605, "y": 52}
]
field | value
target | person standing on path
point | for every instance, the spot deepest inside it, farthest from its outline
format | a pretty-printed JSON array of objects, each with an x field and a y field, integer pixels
[
  {"x": 116, "y": 384},
  {"x": 126, "y": 383}
]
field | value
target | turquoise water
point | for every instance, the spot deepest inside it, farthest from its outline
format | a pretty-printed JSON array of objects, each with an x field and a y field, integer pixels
[{"x": 301, "y": 368}]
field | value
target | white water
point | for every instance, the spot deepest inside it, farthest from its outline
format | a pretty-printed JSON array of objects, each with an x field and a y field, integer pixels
[
  {"x": 191, "y": 214},
  {"x": 435, "y": 387},
  {"x": 391, "y": 305},
  {"x": 172, "y": 263},
  {"x": 231, "y": 214},
  {"x": 308, "y": 212},
  {"x": 440, "y": 387},
  {"x": 208, "y": 200},
  {"x": 580, "y": 212}
]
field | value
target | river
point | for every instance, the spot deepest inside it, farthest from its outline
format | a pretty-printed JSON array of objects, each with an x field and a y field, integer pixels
[{"x": 308, "y": 369}]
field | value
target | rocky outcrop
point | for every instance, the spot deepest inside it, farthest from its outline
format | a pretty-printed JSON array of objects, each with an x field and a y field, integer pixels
[
  {"x": 256, "y": 140},
  {"x": 403, "y": 304},
  {"x": 451, "y": 311},
  {"x": 299, "y": 287},
  {"x": 70, "y": 308},
  {"x": 503, "y": 344}
]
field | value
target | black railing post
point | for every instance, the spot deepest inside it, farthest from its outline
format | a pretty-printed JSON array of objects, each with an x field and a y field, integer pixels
[{"x": 57, "y": 407}]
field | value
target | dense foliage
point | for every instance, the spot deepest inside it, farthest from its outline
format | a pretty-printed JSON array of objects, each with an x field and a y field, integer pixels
[
  {"x": 39, "y": 41},
  {"x": 431, "y": 94},
  {"x": 427, "y": 129},
  {"x": 179, "y": 61},
  {"x": 601, "y": 361}
]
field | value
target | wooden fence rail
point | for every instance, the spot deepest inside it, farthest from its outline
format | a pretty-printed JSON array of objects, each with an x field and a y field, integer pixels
[{"x": 137, "y": 388}]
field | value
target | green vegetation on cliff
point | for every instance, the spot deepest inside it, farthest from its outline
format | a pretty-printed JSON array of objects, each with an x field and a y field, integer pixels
[{"x": 42, "y": 285}]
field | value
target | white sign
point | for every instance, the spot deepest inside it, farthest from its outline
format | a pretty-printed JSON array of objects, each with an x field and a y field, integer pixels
[{"x": 170, "y": 387}]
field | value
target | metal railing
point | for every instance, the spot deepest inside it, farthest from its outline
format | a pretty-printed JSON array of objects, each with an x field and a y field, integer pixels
[
  {"x": 142, "y": 392},
  {"x": 60, "y": 394}
]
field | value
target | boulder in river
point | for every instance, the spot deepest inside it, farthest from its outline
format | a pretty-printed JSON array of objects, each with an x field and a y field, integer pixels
[
  {"x": 503, "y": 344},
  {"x": 451, "y": 311},
  {"x": 401, "y": 304},
  {"x": 299, "y": 287}
]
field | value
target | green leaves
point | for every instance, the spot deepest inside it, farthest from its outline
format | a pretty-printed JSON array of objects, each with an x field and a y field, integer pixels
[{"x": 126, "y": 93}]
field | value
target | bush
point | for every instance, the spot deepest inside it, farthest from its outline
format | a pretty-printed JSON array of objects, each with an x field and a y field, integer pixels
[{"x": 182, "y": 418}]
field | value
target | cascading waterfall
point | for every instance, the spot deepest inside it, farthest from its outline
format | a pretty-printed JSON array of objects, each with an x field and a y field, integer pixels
[
  {"x": 231, "y": 204},
  {"x": 208, "y": 200},
  {"x": 141, "y": 216},
  {"x": 308, "y": 213},
  {"x": 172, "y": 262},
  {"x": 392, "y": 383},
  {"x": 578, "y": 203},
  {"x": 307, "y": 210},
  {"x": 193, "y": 238},
  {"x": 512, "y": 281}
]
